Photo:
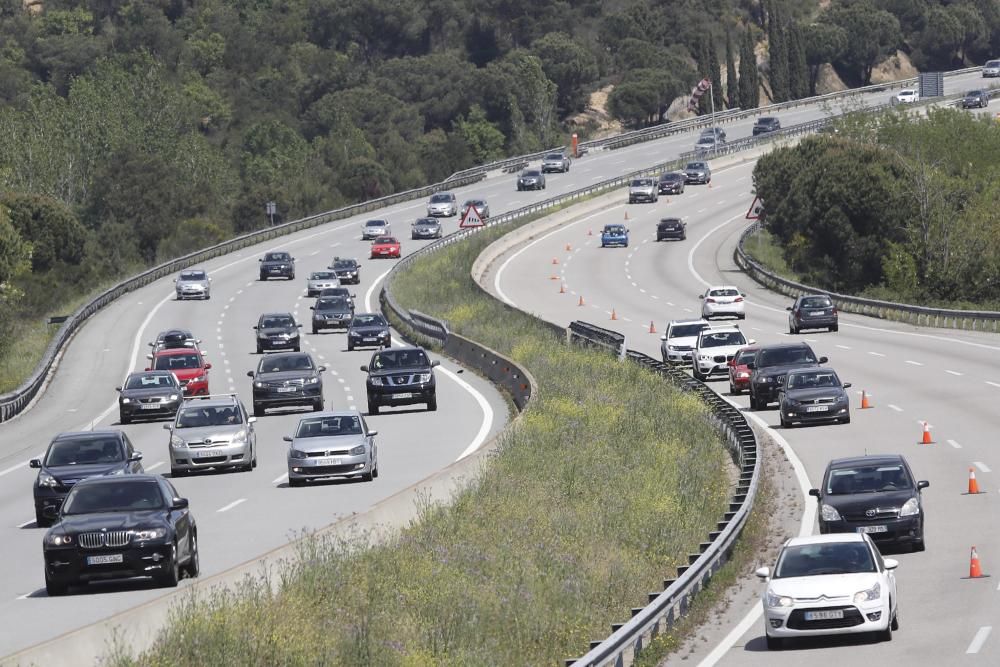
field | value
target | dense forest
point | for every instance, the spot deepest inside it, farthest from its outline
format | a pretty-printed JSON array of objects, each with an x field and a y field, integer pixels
[
  {"x": 136, "y": 130},
  {"x": 904, "y": 209}
]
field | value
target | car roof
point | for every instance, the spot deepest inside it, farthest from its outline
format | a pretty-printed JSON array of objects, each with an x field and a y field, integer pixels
[
  {"x": 281, "y": 355},
  {"x": 332, "y": 413},
  {"x": 212, "y": 402},
  {"x": 693, "y": 321},
  {"x": 825, "y": 539},
  {"x": 405, "y": 347},
  {"x": 670, "y": 220},
  {"x": 172, "y": 351},
  {"x": 285, "y": 314},
  {"x": 712, "y": 287},
  {"x": 376, "y": 222},
  {"x": 875, "y": 459},
  {"x": 729, "y": 328},
  {"x": 135, "y": 373},
  {"x": 119, "y": 479},
  {"x": 784, "y": 346},
  {"x": 386, "y": 239},
  {"x": 87, "y": 435}
]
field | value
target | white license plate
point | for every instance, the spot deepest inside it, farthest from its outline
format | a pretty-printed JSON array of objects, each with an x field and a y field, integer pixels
[
  {"x": 404, "y": 394},
  {"x": 328, "y": 462},
  {"x": 816, "y": 408},
  {"x": 817, "y": 312},
  {"x": 872, "y": 529},
  {"x": 151, "y": 406},
  {"x": 825, "y": 615},
  {"x": 285, "y": 390},
  {"x": 104, "y": 559},
  {"x": 370, "y": 339},
  {"x": 204, "y": 454}
]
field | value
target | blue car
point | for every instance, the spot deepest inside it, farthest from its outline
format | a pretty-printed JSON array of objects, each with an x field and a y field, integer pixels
[{"x": 614, "y": 235}]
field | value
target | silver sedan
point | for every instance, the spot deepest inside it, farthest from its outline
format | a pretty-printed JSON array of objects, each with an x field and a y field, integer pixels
[
  {"x": 332, "y": 444},
  {"x": 193, "y": 284}
]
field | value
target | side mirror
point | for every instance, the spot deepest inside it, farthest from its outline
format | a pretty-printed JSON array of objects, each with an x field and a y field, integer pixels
[
  {"x": 731, "y": 363},
  {"x": 249, "y": 374},
  {"x": 701, "y": 296},
  {"x": 751, "y": 365},
  {"x": 846, "y": 385},
  {"x": 175, "y": 279},
  {"x": 751, "y": 342},
  {"x": 763, "y": 572},
  {"x": 149, "y": 369},
  {"x": 166, "y": 427},
  {"x": 136, "y": 456},
  {"x": 149, "y": 356},
  {"x": 35, "y": 463},
  {"x": 364, "y": 368},
  {"x": 251, "y": 420},
  {"x": 118, "y": 388},
  {"x": 435, "y": 363},
  {"x": 823, "y": 360},
  {"x": 255, "y": 326},
  {"x": 788, "y": 308},
  {"x": 287, "y": 438},
  {"x": 663, "y": 337},
  {"x": 372, "y": 433},
  {"x": 312, "y": 307},
  {"x": 261, "y": 259},
  {"x": 208, "y": 366},
  {"x": 890, "y": 563},
  {"x": 923, "y": 484},
  {"x": 321, "y": 369},
  {"x": 354, "y": 296},
  {"x": 149, "y": 344},
  {"x": 814, "y": 493},
  {"x": 179, "y": 504}
]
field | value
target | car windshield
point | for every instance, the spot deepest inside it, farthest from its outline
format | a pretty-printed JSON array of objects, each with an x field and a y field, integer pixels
[
  {"x": 868, "y": 479},
  {"x": 193, "y": 275},
  {"x": 808, "y": 560},
  {"x": 276, "y": 257},
  {"x": 670, "y": 177},
  {"x": 399, "y": 359},
  {"x": 817, "y": 302},
  {"x": 766, "y": 120},
  {"x": 332, "y": 303},
  {"x": 696, "y": 165},
  {"x": 177, "y": 361},
  {"x": 722, "y": 339},
  {"x": 554, "y": 156},
  {"x": 530, "y": 173},
  {"x": 84, "y": 451},
  {"x": 440, "y": 198},
  {"x": 336, "y": 291},
  {"x": 318, "y": 427},
  {"x": 812, "y": 379},
  {"x": 614, "y": 229},
  {"x": 322, "y": 275},
  {"x": 344, "y": 264},
  {"x": 383, "y": 240},
  {"x": 426, "y": 221},
  {"x": 275, "y": 364},
  {"x": 151, "y": 381},
  {"x": 277, "y": 322},
  {"x": 375, "y": 223},
  {"x": 684, "y": 330},
  {"x": 642, "y": 182},
  {"x": 195, "y": 416},
  {"x": 724, "y": 292},
  {"x": 744, "y": 357},
  {"x": 478, "y": 203},
  {"x": 118, "y": 497},
  {"x": 785, "y": 355},
  {"x": 993, "y": 63},
  {"x": 369, "y": 320},
  {"x": 708, "y": 139},
  {"x": 670, "y": 222}
]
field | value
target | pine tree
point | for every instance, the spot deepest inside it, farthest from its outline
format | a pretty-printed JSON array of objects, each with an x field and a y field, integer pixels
[
  {"x": 732, "y": 85},
  {"x": 777, "y": 51},
  {"x": 704, "y": 72},
  {"x": 749, "y": 85},
  {"x": 715, "y": 75},
  {"x": 798, "y": 68}
]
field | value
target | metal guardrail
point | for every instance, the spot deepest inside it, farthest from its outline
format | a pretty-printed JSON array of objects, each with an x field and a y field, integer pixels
[{"x": 505, "y": 164}]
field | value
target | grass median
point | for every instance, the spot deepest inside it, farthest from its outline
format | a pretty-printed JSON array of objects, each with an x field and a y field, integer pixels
[{"x": 601, "y": 488}]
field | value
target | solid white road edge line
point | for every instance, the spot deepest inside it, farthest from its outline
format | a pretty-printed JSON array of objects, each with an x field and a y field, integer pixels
[
  {"x": 231, "y": 505},
  {"x": 484, "y": 405}
]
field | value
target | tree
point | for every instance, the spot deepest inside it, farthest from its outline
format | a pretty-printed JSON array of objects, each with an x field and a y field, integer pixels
[
  {"x": 15, "y": 254},
  {"x": 639, "y": 99},
  {"x": 938, "y": 44},
  {"x": 974, "y": 34},
  {"x": 190, "y": 235},
  {"x": 732, "y": 83},
  {"x": 568, "y": 65},
  {"x": 484, "y": 140},
  {"x": 715, "y": 76},
  {"x": 823, "y": 43},
  {"x": 749, "y": 85},
  {"x": 52, "y": 229},
  {"x": 798, "y": 70},
  {"x": 874, "y": 35},
  {"x": 777, "y": 50}
]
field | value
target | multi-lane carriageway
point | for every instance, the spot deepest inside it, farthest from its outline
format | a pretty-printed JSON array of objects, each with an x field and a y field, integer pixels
[{"x": 241, "y": 516}]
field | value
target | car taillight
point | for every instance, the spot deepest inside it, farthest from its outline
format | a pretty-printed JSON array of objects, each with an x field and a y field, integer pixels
[
  {"x": 834, "y": 310},
  {"x": 709, "y": 300},
  {"x": 737, "y": 299}
]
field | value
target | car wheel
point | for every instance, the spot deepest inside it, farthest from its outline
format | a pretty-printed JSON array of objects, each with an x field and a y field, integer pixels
[
  {"x": 291, "y": 277},
  {"x": 263, "y": 277},
  {"x": 754, "y": 403},
  {"x": 432, "y": 403},
  {"x": 785, "y": 424},
  {"x": 375, "y": 469},
  {"x": 42, "y": 521},
  {"x": 367, "y": 477},
  {"x": 919, "y": 545},
  {"x": 258, "y": 410},
  {"x": 318, "y": 405},
  {"x": 697, "y": 374},
  {"x": 774, "y": 643},
  {"x": 260, "y": 350},
  {"x": 350, "y": 346},
  {"x": 177, "y": 472},
  {"x": 835, "y": 327},
  {"x": 193, "y": 567},
  {"x": 733, "y": 390},
  {"x": 846, "y": 420},
  {"x": 372, "y": 407},
  {"x": 791, "y": 329},
  {"x": 683, "y": 237},
  {"x": 122, "y": 419},
  {"x": 170, "y": 578},
  {"x": 297, "y": 348},
  {"x": 55, "y": 589},
  {"x": 295, "y": 483},
  {"x": 885, "y": 635}
]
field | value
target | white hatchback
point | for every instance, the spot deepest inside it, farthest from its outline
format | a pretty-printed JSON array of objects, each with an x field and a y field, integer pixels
[
  {"x": 906, "y": 96},
  {"x": 829, "y": 585},
  {"x": 722, "y": 300}
]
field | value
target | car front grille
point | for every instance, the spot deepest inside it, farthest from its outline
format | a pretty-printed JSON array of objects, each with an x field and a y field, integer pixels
[
  {"x": 329, "y": 452},
  {"x": 880, "y": 514},
  {"x": 797, "y": 619},
  {"x": 287, "y": 383},
  {"x": 111, "y": 538},
  {"x": 819, "y": 401},
  {"x": 329, "y": 470}
]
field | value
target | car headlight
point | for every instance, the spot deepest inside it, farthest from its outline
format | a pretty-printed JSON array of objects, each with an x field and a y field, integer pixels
[
  {"x": 910, "y": 507},
  {"x": 238, "y": 437},
  {"x": 120, "y": 471},
  {"x": 258, "y": 384},
  {"x": 177, "y": 441},
  {"x": 173, "y": 397},
  {"x": 376, "y": 382},
  {"x": 57, "y": 540},
  {"x": 126, "y": 400},
  {"x": 200, "y": 378},
  {"x": 425, "y": 377},
  {"x": 767, "y": 380},
  {"x": 672, "y": 348},
  {"x": 312, "y": 380},
  {"x": 742, "y": 375},
  {"x": 149, "y": 534},
  {"x": 778, "y": 600},
  {"x": 45, "y": 479},
  {"x": 354, "y": 334},
  {"x": 357, "y": 451},
  {"x": 296, "y": 454},
  {"x": 868, "y": 595},
  {"x": 829, "y": 513}
]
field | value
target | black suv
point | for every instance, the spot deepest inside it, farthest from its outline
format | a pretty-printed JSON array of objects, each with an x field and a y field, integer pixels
[
  {"x": 812, "y": 311},
  {"x": 671, "y": 228},
  {"x": 277, "y": 265},
  {"x": 331, "y": 312},
  {"x": 348, "y": 270},
  {"x": 149, "y": 394},
  {"x": 976, "y": 98},
  {"x": 400, "y": 376},
  {"x": 368, "y": 330},
  {"x": 768, "y": 370},
  {"x": 287, "y": 378},
  {"x": 872, "y": 494},
  {"x": 117, "y": 527},
  {"x": 74, "y": 457},
  {"x": 766, "y": 124},
  {"x": 672, "y": 183},
  {"x": 277, "y": 331}
]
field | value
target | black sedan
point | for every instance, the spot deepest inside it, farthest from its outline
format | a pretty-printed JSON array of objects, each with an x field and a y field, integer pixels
[
  {"x": 672, "y": 183},
  {"x": 876, "y": 495},
  {"x": 119, "y": 528},
  {"x": 331, "y": 312},
  {"x": 769, "y": 368},
  {"x": 766, "y": 124},
  {"x": 671, "y": 228},
  {"x": 277, "y": 331},
  {"x": 531, "y": 179},
  {"x": 75, "y": 456},
  {"x": 149, "y": 394},
  {"x": 287, "y": 379},
  {"x": 812, "y": 311},
  {"x": 368, "y": 330},
  {"x": 976, "y": 98},
  {"x": 813, "y": 395},
  {"x": 348, "y": 270}
]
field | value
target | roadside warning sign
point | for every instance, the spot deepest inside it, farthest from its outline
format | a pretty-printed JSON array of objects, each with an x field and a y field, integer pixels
[
  {"x": 756, "y": 209},
  {"x": 471, "y": 219}
]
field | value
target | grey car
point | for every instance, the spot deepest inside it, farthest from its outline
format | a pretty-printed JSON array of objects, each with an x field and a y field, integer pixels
[
  {"x": 212, "y": 431},
  {"x": 332, "y": 444},
  {"x": 425, "y": 228},
  {"x": 812, "y": 311},
  {"x": 707, "y": 144},
  {"x": 531, "y": 179},
  {"x": 442, "y": 204},
  {"x": 321, "y": 280},
  {"x": 698, "y": 172},
  {"x": 373, "y": 229},
  {"x": 643, "y": 189},
  {"x": 555, "y": 162},
  {"x": 193, "y": 284},
  {"x": 813, "y": 395},
  {"x": 975, "y": 98},
  {"x": 147, "y": 394},
  {"x": 717, "y": 132},
  {"x": 482, "y": 207}
]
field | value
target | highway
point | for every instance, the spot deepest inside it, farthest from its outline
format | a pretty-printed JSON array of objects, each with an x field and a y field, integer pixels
[{"x": 243, "y": 515}]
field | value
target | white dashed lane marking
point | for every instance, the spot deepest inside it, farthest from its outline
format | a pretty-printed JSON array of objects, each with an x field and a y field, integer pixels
[
  {"x": 895, "y": 407},
  {"x": 954, "y": 444},
  {"x": 993, "y": 384},
  {"x": 982, "y": 466},
  {"x": 231, "y": 505},
  {"x": 914, "y": 363},
  {"x": 843, "y": 347},
  {"x": 876, "y": 354},
  {"x": 953, "y": 372}
]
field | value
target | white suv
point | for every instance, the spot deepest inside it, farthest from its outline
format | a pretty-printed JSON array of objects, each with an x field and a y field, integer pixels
[
  {"x": 714, "y": 349},
  {"x": 679, "y": 340},
  {"x": 906, "y": 96},
  {"x": 720, "y": 300}
]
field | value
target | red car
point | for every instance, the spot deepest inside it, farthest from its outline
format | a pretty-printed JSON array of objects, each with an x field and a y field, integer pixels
[
  {"x": 739, "y": 374},
  {"x": 386, "y": 246},
  {"x": 188, "y": 365}
]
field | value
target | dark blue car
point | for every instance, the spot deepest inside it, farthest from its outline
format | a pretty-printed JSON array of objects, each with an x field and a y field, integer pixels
[{"x": 616, "y": 234}]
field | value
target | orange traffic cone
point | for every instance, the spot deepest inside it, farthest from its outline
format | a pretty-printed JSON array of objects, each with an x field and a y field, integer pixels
[
  {"x": 975, "y": 570},
  {"x": 568, "y": 247},
  {"x": 626, "y": 215},
  {"x": 652, "y": 329},
  {"x": 562, "y": 288},
  {"x": 973, "y": 484},
  {"x": 555, "y": 260},
  {"x": 590, "y": 232},
  {"x": 614, "y": 315},
  {"x": 581, "y": 301},
  {"x": 865, "y": 403},
  {"x": 926, "y": 440},
  {"x": 553, "y": 277}
]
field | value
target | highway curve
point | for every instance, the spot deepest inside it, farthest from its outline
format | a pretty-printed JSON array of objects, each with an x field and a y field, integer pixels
[{"x": 241, "y": 516}]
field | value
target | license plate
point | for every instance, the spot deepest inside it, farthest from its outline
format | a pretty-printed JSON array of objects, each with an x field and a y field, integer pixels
[
  {"x": 204, "y": 454},
  {"x": 285, "y": 390},
  {"x": 872, "y": 529},
  {"x": 816, "y": 408},
  {"x": 825, "y": 615},
  {"x": 370, "y": 339},
  {"x": 104, "y": 559},
  {"x": 328, "y": 462},
  {"x": 817, "y": 312},
  {"x": 404, "y": 394},
  {"x": 151, "y": 406}
]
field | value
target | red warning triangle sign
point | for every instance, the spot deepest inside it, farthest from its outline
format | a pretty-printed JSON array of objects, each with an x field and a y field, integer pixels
[
  {"x": 756, "y": 208},
  {"x": 471, "y": 219}
]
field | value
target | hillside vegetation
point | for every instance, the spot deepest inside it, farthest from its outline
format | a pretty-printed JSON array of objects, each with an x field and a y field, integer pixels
[{"x": 134, "y": 131}]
